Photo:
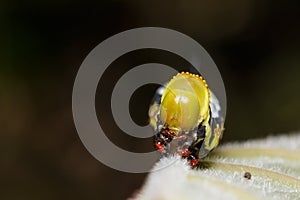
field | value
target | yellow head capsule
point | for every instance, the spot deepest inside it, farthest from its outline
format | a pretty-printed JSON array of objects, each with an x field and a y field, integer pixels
[{"x": 185, "y": 102}]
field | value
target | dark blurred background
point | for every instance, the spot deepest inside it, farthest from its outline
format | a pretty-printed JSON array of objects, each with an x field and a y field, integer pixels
[{"x": 255, "y": 45}]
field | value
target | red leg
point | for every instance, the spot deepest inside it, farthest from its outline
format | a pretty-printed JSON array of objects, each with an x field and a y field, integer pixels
[
  {"x": 185, "y": 153},
  {"x": 194, "y": 162}
]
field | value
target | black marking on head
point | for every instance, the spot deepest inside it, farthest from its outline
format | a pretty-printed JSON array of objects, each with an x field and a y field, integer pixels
[{"x": 201, "y": 131}]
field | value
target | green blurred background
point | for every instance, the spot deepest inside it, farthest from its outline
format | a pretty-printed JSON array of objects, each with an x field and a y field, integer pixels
[{"x": 255, "y": 45}]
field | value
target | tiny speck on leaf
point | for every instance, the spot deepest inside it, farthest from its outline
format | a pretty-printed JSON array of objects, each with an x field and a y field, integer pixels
[{"x": 247, "y": 175}]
